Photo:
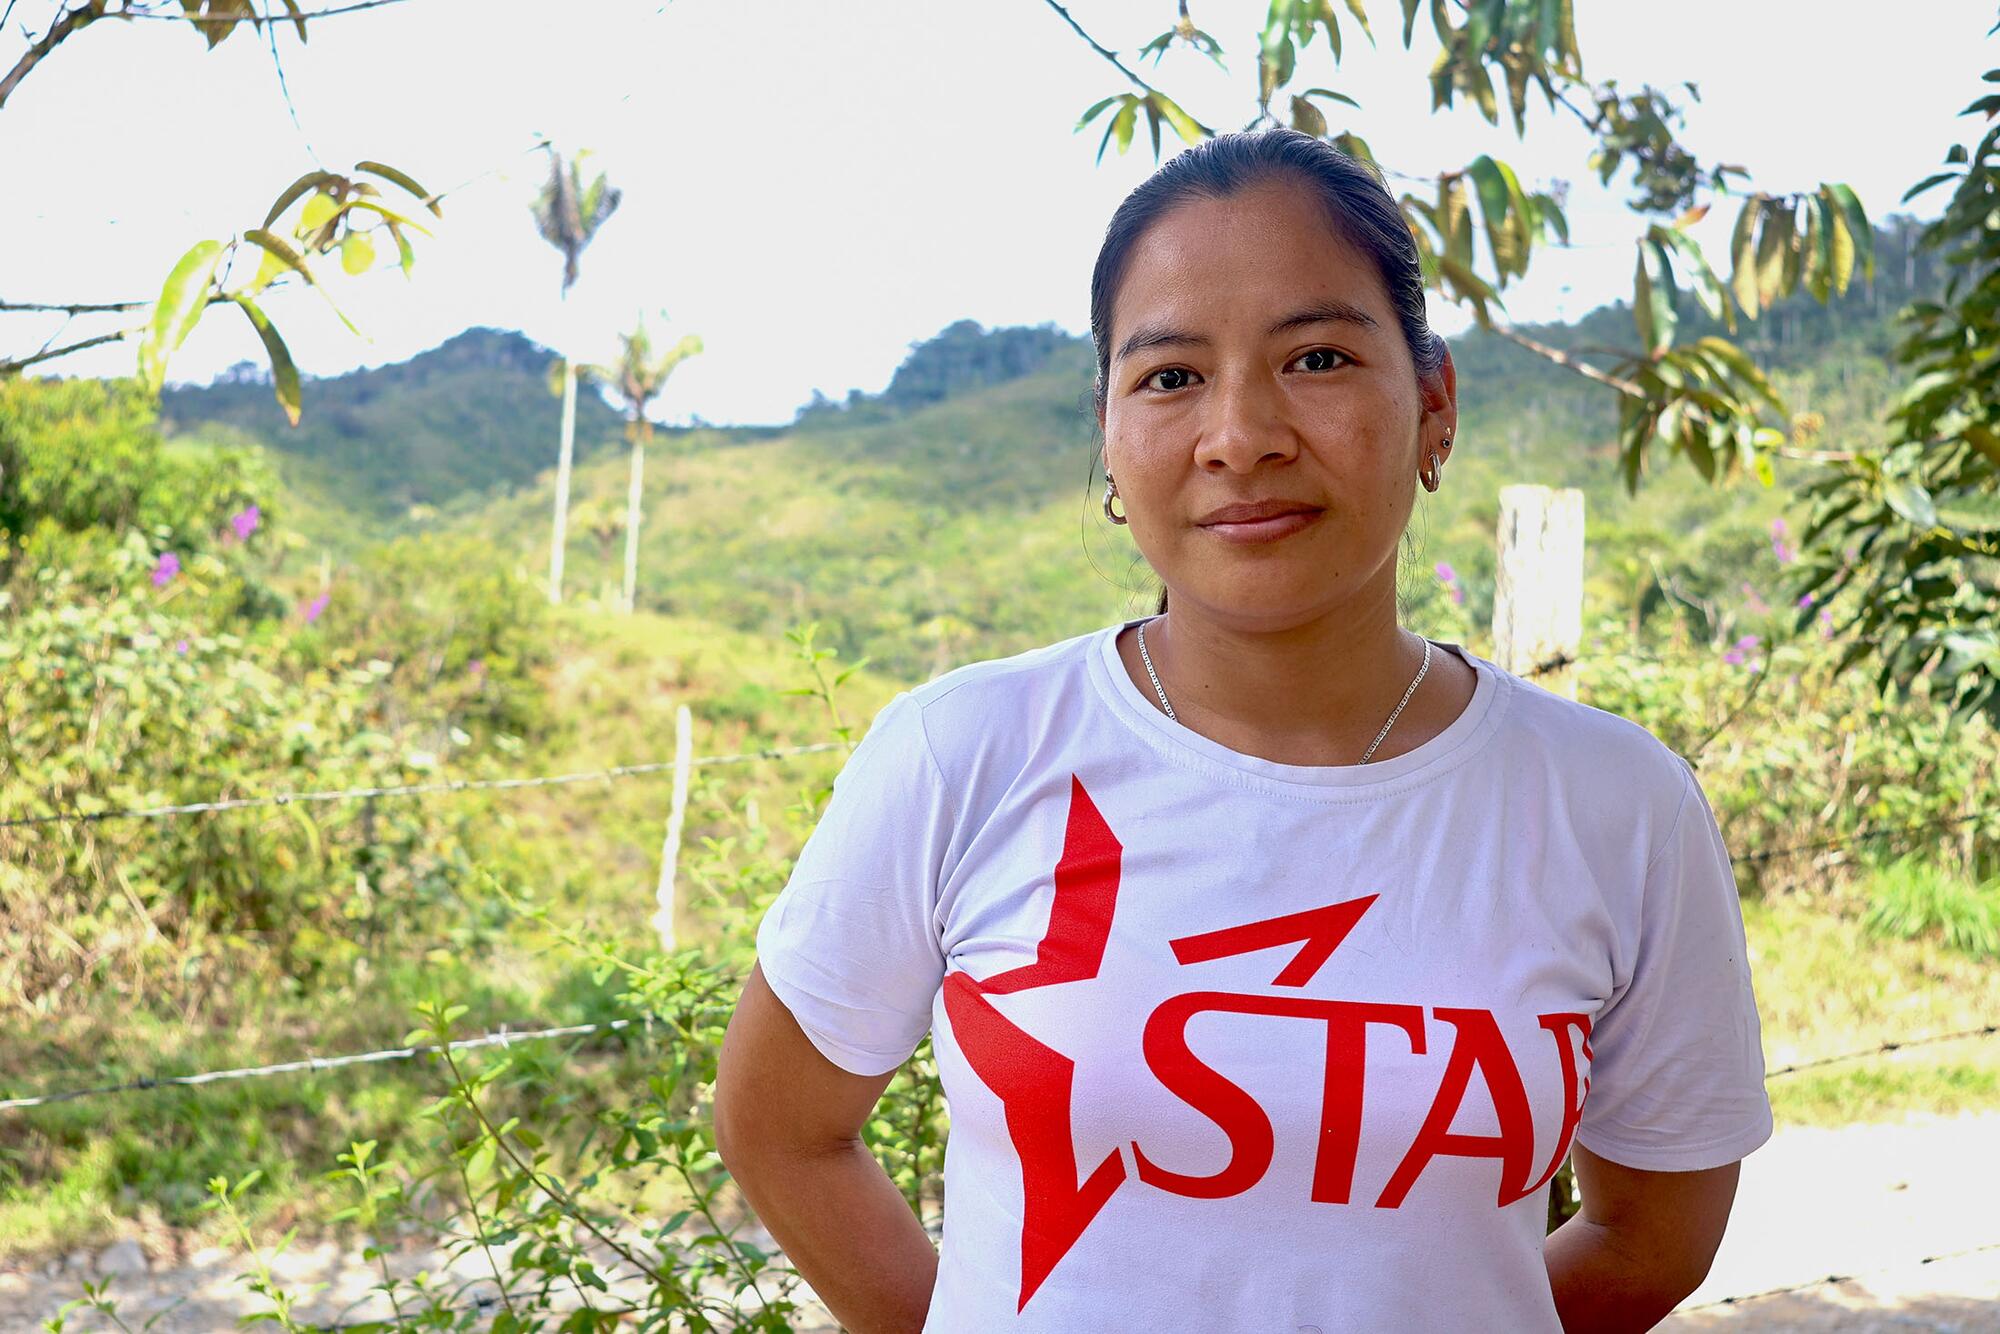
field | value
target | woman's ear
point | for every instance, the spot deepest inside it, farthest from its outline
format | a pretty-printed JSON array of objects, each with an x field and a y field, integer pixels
[{"x": 1439, "y": 391}]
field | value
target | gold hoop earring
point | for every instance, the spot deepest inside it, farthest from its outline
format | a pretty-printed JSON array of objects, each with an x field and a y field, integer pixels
[{"x": 1110, "y": 493}]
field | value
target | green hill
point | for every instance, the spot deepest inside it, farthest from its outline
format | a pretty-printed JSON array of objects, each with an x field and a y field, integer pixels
[{"x": 470, "y": 417}]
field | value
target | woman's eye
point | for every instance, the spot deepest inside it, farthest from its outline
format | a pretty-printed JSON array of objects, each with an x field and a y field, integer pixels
[
  {"x": 1319, "y": 359},
  {"x": 1173, "y": 377}
]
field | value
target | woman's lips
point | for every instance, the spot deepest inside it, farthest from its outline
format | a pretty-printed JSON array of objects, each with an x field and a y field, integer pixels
[{"x": 1263, "y": 530}]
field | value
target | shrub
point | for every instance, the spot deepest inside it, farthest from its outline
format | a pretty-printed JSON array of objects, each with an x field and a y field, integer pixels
[{"x": 1910, "y": 898}]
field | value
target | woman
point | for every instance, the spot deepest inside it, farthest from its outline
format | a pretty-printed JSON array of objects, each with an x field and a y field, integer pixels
[{"x": 1274, "y": 957}]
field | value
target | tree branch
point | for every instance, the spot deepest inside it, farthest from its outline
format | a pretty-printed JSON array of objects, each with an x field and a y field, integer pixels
[
  {"x": 307, "y": 15},
  {"x": 72, "y": 22},
  {"x": 1568, "y": 362},
  {"x": 1092, "y": 42},
  {"x": 10, "y": 367},
  {"x": 87, "y": 309}
]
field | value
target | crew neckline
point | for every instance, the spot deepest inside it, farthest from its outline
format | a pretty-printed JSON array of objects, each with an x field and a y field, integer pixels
[{"x": 1458, "y": 742}]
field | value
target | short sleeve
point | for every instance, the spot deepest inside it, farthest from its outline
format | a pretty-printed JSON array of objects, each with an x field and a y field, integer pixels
[
  {"x": 850, "y": 944},
  {"x": 1677, "y": 1066}
]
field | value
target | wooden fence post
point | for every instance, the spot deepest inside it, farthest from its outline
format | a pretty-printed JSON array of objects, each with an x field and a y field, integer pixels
[
  {"x": 670, "y": 851},
  {"x": 1538, "y": 596}
]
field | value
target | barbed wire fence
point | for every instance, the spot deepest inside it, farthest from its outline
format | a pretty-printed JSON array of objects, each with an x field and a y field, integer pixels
[{"x": 507, "y": 1036}]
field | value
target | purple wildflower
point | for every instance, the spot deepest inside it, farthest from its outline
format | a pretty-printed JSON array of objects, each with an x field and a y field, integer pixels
[
  {"x": 180, "y": 646},
  {"x": 477, "y": 666},
  {"x": 1445, "y": 572},
  {"x": 1748, "y": 641},
  {"x": 315, "y": 607},
  {"x": 1757, "y": 603},
  {"x": 164, "y": 572},
  {"x": 1734, "y": 657},
  {"x": 1807, "y": 600},
  {"x": 245, "y": 521},
  {"x": 1826, "y": 623}
]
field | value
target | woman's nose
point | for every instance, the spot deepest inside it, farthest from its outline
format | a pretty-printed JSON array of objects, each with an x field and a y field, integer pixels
[{"x": 1243, "y": 424}]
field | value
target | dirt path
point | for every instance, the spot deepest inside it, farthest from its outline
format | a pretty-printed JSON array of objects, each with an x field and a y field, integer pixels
[{"x": 1871, "y": 1201}]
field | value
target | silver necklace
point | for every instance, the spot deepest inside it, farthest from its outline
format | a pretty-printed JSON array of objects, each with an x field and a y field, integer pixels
[{"x": 1147, "y": 658}]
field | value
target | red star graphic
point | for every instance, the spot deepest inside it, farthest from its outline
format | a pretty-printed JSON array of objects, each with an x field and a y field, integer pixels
[{"x": 1035, "y": 1082}]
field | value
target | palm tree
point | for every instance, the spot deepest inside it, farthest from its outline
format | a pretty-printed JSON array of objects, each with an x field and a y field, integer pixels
[
  {"x": 638, "y": 377},
  {"x": 568, "y": 212}
]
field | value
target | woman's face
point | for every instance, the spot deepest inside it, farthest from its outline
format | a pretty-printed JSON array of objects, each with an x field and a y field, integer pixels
[{"x": 1256, "y": 357}]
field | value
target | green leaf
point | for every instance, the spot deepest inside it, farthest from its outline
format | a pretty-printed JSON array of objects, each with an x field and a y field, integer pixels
[
  {"x": 1839, "y": 240},
  {"x": 1708, "y": 288},
  {"x": 275, "y": 246},
  {"x": 1743, "y": 266},
  {"x": 386, "y": 214},
  {"x": 357, "y": 252},
  {"x": 1744, "y": 369},
  {"x": 1985, "y": 441},
  {"x": 1859, "y": 230},
  {"x": 1410, "y": 8},
  {"x": 1332, "y": 95},
  {"x": 1912, "y": 502},
  {"x": 284, "y": 375},
  {"x": 1307, "y": 118},
  {"x": 1653, "y": 297},
  {"x": 1187, "y": 127},
  {"x": 183, "y": 298},
  {"x": 298, "y": 18},
  {"x": 1972, "y": 515},
  {"x": 1926, "y": 183},
  {"x": 1123, "y": 124},
  {"x": 1360, "y": 12},
  {"x": 1551, "y": 215},
  {"x": 1455, "y": 222},
  {"x": 1774, "y": 247},
  {"x": 1496, "y": 211},
  {"x": 1817, "y": 249},
  {"x": 1095, "y": 109},
  {"x": 319, "y": 210},
  {"x": 311, "y": 180},
  {"x": 389, "y": 173},
  {"x": 404, "y": 255}
]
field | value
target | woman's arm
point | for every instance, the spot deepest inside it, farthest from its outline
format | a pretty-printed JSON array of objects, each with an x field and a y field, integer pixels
[
  {"x": 788, "y": 1127},
  {"x": 1640, "y": 1244}
]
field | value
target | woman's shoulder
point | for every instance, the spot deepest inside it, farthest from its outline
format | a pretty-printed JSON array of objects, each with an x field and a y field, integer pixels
[
  {"x": 973, "y": 715},
  {"x": 1045, "y": 672},
  {"x": 1581, "y": 739}
]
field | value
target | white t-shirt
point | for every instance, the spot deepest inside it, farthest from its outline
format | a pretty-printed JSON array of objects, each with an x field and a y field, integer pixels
[{"x": 1235, "y": 1045}]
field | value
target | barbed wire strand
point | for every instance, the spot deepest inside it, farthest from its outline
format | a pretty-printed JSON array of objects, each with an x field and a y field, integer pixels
[
  {"x": 505, "y": 1036},
  {"x": 660, "y": 766},
  {"x": 409, "y": 789},
  {"x": 1985, "y": 1030},
  {"x": 501, "y": 1037}
]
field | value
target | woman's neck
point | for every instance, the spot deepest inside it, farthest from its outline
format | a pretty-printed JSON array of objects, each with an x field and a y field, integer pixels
[{"x": 1316, "y": 693}]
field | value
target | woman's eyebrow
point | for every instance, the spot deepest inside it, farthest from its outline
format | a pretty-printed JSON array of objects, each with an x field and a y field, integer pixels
[{"x": 1323, "y": 312}]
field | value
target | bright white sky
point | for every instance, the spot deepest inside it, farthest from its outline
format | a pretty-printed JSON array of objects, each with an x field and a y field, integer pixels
[{"x": 811, "y": 185}]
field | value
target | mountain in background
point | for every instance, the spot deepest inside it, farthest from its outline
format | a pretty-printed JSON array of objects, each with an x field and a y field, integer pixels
[{"x": 470, "y": 417}]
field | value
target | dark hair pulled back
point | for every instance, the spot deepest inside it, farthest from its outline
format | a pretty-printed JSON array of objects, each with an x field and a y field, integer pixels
[{"x": 1359, "y": 210}]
